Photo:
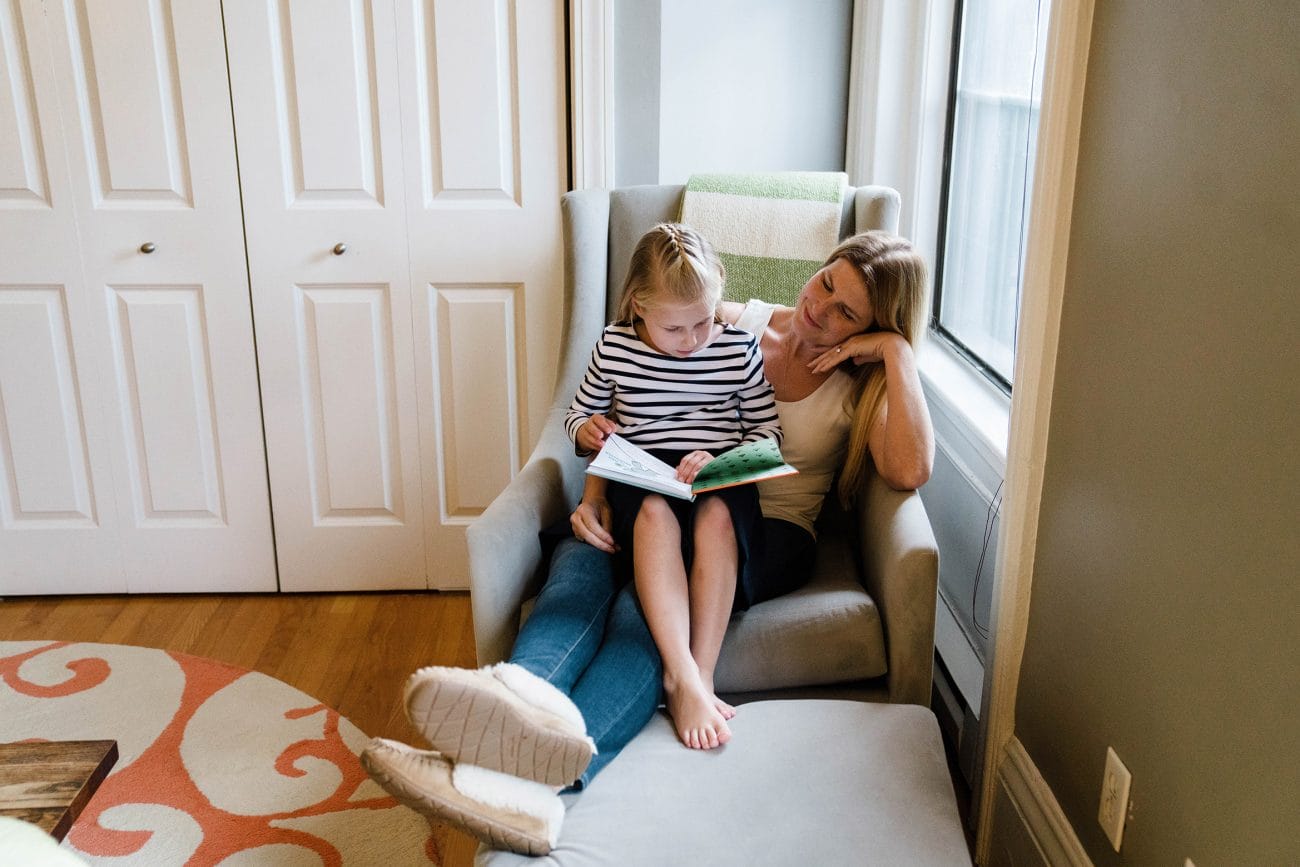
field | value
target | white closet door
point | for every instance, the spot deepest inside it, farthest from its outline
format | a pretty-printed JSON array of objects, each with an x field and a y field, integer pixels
[
  {"x": 486, "y": 163},
  {"x": 402, "y": 164},
  {"x": 319, "y": 133},
  {"x": 138, "y": 148},
  {"x": 58, "y": 519}
]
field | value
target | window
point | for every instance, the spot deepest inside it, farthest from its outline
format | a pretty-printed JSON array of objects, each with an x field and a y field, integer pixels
[{"x": 993, "y": 124}]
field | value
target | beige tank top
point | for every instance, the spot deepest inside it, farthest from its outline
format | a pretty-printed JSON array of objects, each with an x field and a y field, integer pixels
[{"x": 815, "y": 435}]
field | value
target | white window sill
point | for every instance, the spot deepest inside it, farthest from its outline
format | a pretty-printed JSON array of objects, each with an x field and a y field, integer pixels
[{"x": 970, "y": 413}]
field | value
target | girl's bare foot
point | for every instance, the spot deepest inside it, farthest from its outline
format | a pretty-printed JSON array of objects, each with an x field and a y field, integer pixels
[
  {"x": 722, "y": 707},
  {"x": 700, "y": 724}
]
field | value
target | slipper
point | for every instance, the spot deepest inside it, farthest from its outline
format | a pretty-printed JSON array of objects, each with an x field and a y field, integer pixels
[
  {"x": 502, "y": 811},
  {"x": 503, "y": 718}
]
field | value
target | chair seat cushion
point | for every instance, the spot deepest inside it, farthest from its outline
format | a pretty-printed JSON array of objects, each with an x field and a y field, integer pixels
[
  {"x": 801, "y": 782},
  {"x": 826, "y": 632}
]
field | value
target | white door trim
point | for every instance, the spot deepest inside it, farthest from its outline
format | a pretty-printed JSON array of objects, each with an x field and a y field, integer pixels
[
  {"x": 1048, "y": 241},
  {"x": 591, "y": 81},
  {"x": 864, "y": 84}
]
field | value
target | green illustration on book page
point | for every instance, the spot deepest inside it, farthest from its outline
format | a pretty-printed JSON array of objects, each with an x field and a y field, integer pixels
[{"x": 748, "y": 462}]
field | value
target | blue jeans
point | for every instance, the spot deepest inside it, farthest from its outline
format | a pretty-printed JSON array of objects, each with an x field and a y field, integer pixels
[{"x": 588, "y": 637}]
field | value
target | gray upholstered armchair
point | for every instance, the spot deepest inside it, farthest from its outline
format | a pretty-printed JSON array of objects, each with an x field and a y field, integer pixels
[{"x": 864, "y": 625}]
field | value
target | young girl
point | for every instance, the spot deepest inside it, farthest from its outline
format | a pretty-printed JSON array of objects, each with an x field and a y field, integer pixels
[{"x": 670, "y": 376}]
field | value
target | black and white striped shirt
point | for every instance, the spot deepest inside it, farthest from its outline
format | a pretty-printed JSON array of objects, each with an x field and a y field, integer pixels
[{"x": 713, "y": 399}]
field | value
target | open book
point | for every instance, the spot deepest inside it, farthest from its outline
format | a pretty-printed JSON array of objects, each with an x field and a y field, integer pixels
[{"x": 621, "y": 461}]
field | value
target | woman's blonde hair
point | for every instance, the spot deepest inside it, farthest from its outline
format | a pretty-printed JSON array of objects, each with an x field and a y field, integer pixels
[
  {"x": 895, "y": 276},
  {"x": 672, "y": 264}
]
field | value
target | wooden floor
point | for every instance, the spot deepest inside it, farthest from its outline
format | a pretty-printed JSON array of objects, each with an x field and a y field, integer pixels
[{"x": 351, "y": 651}]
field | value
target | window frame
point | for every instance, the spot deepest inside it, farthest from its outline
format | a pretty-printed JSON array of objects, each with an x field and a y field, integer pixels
[
  {"x": 900, "y": 97},
  {"x": 936, "y": 326}
]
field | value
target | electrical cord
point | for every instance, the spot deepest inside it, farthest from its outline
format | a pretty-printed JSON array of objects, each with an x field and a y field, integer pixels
[{"x": 990, "y": 517}]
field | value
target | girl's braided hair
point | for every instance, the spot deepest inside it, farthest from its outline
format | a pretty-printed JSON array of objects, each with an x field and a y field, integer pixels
[{"x": 672, "y": 264}]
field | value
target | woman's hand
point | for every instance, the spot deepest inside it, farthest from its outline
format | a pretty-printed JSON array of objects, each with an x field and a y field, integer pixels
[
  {"x": 592, "y": 432},
  {"x": 592, "y": 522},
  {"x": 691, "y": 465},
  {"x": 862, "y": 348}
]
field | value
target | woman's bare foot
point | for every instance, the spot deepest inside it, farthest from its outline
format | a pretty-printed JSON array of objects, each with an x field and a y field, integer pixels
[{"x": 700, "y": 724}]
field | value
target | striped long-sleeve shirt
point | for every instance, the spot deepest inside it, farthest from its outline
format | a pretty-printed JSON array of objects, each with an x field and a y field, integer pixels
[{"x": 713, "y": 399}]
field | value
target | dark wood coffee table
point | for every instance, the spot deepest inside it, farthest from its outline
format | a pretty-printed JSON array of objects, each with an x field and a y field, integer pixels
[{"x": 49, "y": 784}]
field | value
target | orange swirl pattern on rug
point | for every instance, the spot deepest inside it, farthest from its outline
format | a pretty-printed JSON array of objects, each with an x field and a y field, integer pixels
[{"x": 159, "y": 774}]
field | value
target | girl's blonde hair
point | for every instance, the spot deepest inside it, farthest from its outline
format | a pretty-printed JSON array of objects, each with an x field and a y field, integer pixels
[
  {"x": 672, "y": 264},
  {"x": 895, "y": 276}
]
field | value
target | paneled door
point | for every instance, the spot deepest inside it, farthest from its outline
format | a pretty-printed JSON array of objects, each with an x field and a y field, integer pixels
[
  {"x": 401, "y": 164},
  {"x": 485, "y": 144},
  {"x": 131, "y": 450},
  {"x": 319, "y": 132}
]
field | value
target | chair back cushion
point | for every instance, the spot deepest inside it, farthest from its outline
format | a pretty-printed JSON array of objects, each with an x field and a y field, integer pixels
[{"x": 633, "y": 211}]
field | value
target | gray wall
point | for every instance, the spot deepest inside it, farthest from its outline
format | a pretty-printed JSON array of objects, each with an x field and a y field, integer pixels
[
  {"x": 737, "y": 85},
  {"x": 636, "y": 92},
  {"x": 1165, "y": 605}
]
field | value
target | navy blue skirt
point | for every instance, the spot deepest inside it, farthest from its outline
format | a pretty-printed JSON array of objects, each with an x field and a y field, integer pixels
[{"x": 766, "y": 567}]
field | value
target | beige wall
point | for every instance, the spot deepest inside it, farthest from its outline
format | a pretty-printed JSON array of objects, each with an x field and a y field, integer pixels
[{"x": 1165, "y": 606}]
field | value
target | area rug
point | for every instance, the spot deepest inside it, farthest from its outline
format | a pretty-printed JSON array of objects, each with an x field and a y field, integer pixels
[{"x": 217, "y": 764}]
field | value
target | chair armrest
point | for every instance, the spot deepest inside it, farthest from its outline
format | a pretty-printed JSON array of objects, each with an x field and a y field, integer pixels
[
  {"x": 900, "y": 561},
  {"x": 504, "y": 549}
]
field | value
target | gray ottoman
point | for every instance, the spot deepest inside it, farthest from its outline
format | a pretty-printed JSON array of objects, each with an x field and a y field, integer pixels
[{"x": 802, "y": 782}]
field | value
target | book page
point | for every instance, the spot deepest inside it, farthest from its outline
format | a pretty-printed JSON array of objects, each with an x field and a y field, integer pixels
[
  {"x": 622, "y": 461},
  {"x": 746, "y": 462}
]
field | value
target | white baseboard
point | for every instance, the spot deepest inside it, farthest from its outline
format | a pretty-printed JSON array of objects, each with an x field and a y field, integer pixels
[{"x": 1043, "y": 821}]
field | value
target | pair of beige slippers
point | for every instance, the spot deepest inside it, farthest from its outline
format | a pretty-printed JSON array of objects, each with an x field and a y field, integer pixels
[{"x": 504, "y": 742}]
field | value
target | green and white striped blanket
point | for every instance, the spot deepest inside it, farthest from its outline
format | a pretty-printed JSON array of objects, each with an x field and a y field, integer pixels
[{"x": 771, "y": 230}]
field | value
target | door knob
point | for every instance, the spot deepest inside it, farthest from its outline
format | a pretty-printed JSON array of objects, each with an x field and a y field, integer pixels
[
  {"x": 148, "y": 247},
  {"x": 340, "y": 248}
]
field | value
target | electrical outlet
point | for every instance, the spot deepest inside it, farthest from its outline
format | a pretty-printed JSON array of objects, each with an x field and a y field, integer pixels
[{"x": 1114, "y": 798}]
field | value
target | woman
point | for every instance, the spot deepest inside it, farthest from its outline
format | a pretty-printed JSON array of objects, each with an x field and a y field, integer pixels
[{"x": 584, "y": 676}]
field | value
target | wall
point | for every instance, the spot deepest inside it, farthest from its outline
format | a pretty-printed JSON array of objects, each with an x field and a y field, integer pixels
[
  {"x": 1165, "y": 601},
  {"x": 742, "y": 85},
  {"x": 636, "y": 92}
]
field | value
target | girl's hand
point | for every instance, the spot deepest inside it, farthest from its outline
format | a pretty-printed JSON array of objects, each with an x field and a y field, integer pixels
[
  {"x": 691, "y": 465},
  {"x": 862, "y": 348},
  {"x": 591, "y": 523},
  {"x": 591, "y": 434}
]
